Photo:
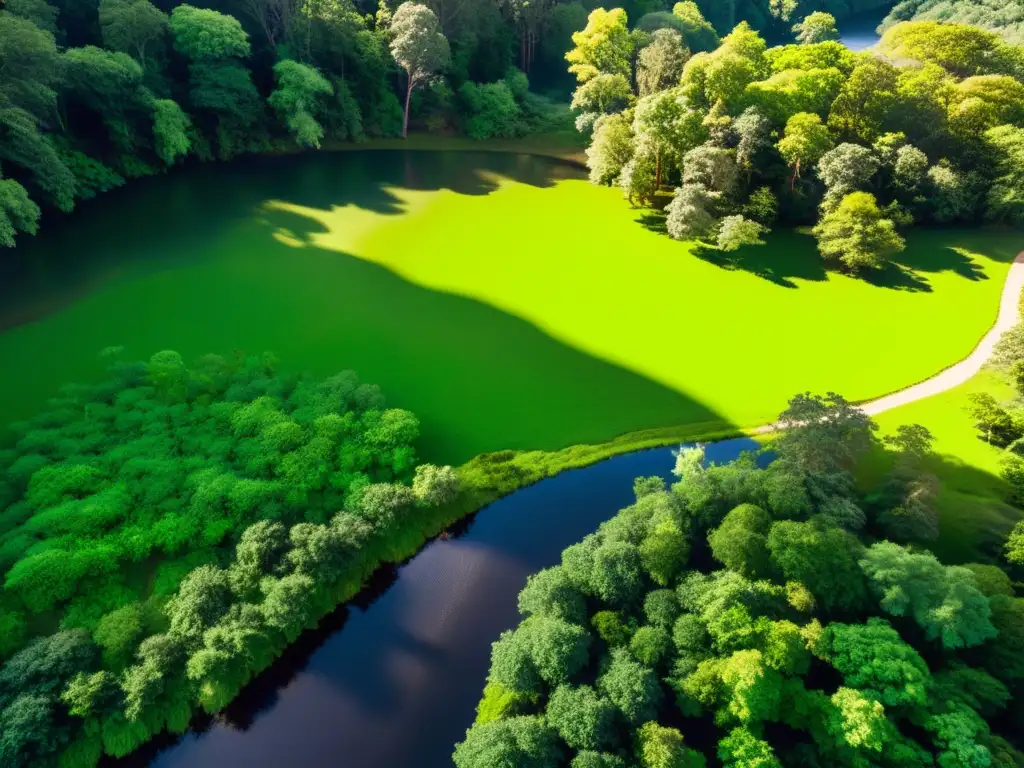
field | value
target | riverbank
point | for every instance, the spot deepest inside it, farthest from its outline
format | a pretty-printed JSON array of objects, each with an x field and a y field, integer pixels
[{"x": 564, "y": 145}]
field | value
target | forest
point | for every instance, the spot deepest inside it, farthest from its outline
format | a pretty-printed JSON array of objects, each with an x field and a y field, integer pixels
[
  {"x": 1003, "y": 16},
  {"x": 926, "y": 129},
  {"x": 93, "y": 94},
  {"x": 167, "y": 531},
  {"x": 764, "y": 616}
]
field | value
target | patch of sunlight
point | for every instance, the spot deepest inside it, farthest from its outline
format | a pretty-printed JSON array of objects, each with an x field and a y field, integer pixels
[{"x": 572, "y": 260}]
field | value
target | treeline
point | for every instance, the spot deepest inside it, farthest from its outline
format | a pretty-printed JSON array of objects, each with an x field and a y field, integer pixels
[
  {"x": 774, "y": 18},
  {"x": 736, "y": 136},
  {"x": 94, "y": 94},
  {"x": 764, "y": 617},
  {"x": 1003, "y": 16},
  {"x": 1001, "y": 424},
  {"x": 166, "y": 532}
]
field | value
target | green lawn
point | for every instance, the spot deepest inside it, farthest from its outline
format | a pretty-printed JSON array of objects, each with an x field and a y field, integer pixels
[
  {"x": 974, "y": 517},
  {"x": 507, "y": 303}
]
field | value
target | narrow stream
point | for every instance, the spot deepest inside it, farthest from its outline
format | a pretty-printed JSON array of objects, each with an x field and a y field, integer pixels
[{"x": 392, "y": 679}]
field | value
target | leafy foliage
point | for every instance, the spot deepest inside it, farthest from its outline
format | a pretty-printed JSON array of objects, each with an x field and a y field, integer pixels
[
  {"x": 785, "y": 636},
  {"x": 182, "y": 525}
]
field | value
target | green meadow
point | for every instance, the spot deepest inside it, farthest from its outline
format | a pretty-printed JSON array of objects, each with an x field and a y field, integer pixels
[{"x": 502, "y": 298}]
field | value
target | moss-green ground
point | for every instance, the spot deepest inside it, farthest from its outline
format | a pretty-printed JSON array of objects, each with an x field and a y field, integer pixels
[
  {"x": 503, "y": 299},
  {"x": 974, "y": 518}
]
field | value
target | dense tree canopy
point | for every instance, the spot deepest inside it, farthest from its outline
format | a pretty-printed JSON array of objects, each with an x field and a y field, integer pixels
[
  {"x": 789, "y": 636},
  {"x": 94, "y": 95},
  {"x": 175, "y": 526},
  {"x": 926, "y": 128}
]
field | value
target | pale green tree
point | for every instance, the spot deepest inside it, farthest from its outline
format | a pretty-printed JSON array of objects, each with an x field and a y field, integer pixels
[
  {"x": 817, "y": 27},
  {"x": 856, "y": 233},
  {"x": 419, "y": 47}
]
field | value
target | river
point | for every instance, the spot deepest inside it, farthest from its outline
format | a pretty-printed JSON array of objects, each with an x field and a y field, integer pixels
[{"x": 392, "y": 679}]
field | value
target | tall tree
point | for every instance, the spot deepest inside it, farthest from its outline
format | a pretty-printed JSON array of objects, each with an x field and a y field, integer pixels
[
  {"x": 136, "y": 27},
  {"x": 805, "y": 140},
  {"x": 419, "y": 47}
]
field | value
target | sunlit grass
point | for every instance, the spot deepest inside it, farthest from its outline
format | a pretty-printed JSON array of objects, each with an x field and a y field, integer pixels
[{"x": 509, "y": 315}]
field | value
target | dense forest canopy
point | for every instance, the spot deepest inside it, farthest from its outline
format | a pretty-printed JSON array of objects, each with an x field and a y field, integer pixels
[
  {"x": 97, "y": 92},
  {"x": 926, "y": 128},
  {"x": 754, "y": 617},
  {"x": 167, "y": 531},
  {"x": 1003, "y": 16}
]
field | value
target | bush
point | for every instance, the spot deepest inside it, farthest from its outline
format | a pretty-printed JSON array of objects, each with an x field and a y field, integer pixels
[{"x": 490, "y": 110}]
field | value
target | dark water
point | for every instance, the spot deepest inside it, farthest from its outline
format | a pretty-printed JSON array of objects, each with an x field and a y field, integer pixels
[
  {"x": 858, "y": 32},
  {"x": 394, "y": 681}
]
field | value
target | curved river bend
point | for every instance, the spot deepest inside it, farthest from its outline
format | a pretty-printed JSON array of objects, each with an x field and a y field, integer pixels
[{"x": 393, "y": 678}]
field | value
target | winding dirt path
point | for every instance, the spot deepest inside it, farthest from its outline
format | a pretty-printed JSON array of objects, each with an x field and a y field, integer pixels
[{"x": 957, "y": 374}]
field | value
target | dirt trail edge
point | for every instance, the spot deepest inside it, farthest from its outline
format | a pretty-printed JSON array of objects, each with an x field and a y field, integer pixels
[{"x": 957, "y": 374}]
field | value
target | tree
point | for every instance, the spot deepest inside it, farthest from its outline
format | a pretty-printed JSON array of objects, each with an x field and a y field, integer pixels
[
  {"x": 845, "y": 169},
  {"x": 823, "y": 435},
  {"x": 604, "y": 46},
  {"x": 689, "y": 217},
  {"x": 804, "y": 141},
  {"x": 943, "y": 600},
  {"x": 1014, "y": 548},
  {"x": 300, "y": 95},
  {"x": 668, "y": 126},
  {"x": 435, "y": 486},
  {"x": 205, "y": 35},
  {"x": 1005, "y": 201},
  {"x": 650, "y": 645},
  {"x": 17, "y": 212},
  {"x": 661, "y": 747},
  {"x": 419, "y": 47},
  {"x": 610, "y": 149},
  {"x": 742, "y": 749},
  {"x": 39, "y": 12},
  {"x": 582, "y": 718},
  {"x": 603, "y": 94},
  {"x": 865, "y": 101},
  {"x": 823, "y": 558},
  {"x": 171, "y": 128},
  {"x": 491, "y": 109},
  {"x": 873, "y": 658},
  {"x": 740, "y": 543},
  {"x": 992, "y": 420},
  {"x": 617, "y": 576},
  {"x": 202, "y": 598},
  {"x": 817, "y": 27},
  {"x": 525, "y": 741},
  {"x": 910, "y": 168},
  {"x": 136, "y": 27},
  {"x": 1004, "y": 655},
  {"x": 961, "y": 49},
  {"x": 591, "y": 759},
  {"x": 734, "y": 232},
  {"x": 512, "y": 665},
  {"x": 660, "y": 63},
  {"x": 856, "y": 233},
  {"x": 697, "y": 32},
  {"x": 631, "y": 687},
  {"x": 557, "y": 648}
]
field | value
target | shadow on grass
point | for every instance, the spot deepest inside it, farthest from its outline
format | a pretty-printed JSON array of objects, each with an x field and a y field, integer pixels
[
  {"x": 788, "y": 255},
  {"x": 157, "y": 223},
  {"x": 974, "y": 516}
]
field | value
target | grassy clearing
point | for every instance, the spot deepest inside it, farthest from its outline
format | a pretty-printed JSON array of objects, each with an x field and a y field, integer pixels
[
  {"x": 504, "y": 300},
  {"x": 974, "y": 516}
]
